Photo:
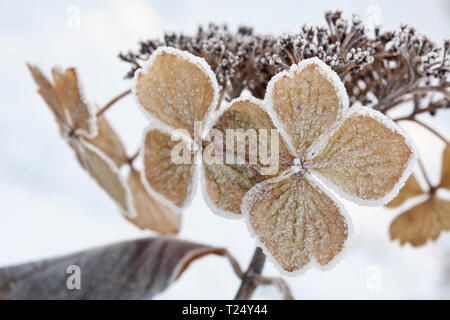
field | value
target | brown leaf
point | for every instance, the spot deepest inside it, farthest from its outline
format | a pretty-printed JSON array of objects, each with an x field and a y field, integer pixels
[
  {"x": 445, "y": 175},
  {"x": 151, "y": 214},
  {"x": 411, "y": 189},
  {"x": 137, "y": 269},
  {"x": 422, "y": 222}
]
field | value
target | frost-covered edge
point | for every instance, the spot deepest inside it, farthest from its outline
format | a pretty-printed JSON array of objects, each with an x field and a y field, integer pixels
[
  {"x": 388, "y": 123},
  {"x": 131, "y": 212},
  {"x": 325, "y": 70},
  {"x": 159, "y": 197},
  {"x": 197, "y": 61},
  {"x": 245, "y": 208}
]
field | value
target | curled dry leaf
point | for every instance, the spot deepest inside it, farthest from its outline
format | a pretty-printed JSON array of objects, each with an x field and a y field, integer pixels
[
  {"x": 410, "y": 190},
  {"x": 422, "y": 223},
  {"x": 137, "y": 269}
]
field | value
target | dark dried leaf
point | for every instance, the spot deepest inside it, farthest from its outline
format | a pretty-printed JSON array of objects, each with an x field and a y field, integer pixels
[{"x": 137, "y": 269}]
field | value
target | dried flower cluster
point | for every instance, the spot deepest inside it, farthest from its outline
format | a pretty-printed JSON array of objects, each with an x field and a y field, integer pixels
[{"x": 379, "y": 69}]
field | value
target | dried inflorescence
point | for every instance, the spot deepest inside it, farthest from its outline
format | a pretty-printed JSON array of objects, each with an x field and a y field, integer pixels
[
  {"x": 379, "y": 69},
  {"x": 359, "y": 152},
  {"x": 426, "y": 220}
]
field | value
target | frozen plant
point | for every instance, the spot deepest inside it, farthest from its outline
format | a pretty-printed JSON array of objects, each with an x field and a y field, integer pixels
[{"x": 328, "y": 91}]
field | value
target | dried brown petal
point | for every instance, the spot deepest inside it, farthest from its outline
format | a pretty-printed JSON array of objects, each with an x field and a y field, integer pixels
[
  {"x": 176, "y": 88},
  {"x": 173, "y": 181},
  {"x": 109, "y": 142},
  {"x": 138, "y": 269},
  {"x": 411, "y": 189},
  {"x": 151, "y": 214},
  {"x": 308, "y": 102},
  {"x": 106, "y": 173},
  {"x": 365, "y": 158},
  {"x": 422, "y": 222},
  {"x": 226, "y": 184},
  {"x": 296, "y": 221},
  {"x": 445, "y": 175},
  {"x": 79, "y": 114},
  {"x": 66, "y": 101}
]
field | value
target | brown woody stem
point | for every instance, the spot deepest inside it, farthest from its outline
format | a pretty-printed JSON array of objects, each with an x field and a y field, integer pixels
[
  {"x": 113, "y": 101},
  {"x": 425, "y": 175},
  {"x": 248, "y": 285}
]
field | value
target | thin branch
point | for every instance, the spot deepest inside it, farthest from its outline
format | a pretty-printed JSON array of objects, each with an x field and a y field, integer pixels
[
  {"x": 437, "y": 134},
  {"x": 113, "y": 101},
  {"x": 255, "y": 267},
  {"x": 278, "y": 282},
  {"x": 425, "y": 175}
]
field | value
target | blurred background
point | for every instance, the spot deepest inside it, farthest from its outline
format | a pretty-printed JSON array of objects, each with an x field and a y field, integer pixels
[{"x": 49, "y": 206}]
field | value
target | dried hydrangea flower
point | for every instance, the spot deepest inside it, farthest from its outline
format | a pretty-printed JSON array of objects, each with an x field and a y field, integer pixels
[
  {"x": 100, "y": 151},
  {"x": 426, "y": 220},
  {"x": 359, "y": 152}
]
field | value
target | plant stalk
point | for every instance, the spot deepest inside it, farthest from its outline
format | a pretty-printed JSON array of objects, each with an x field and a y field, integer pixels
[{"x": 248, "y": 285}]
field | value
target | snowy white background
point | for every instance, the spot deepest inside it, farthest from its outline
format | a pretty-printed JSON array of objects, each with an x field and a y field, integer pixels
[{"x": 49, "y": 206}]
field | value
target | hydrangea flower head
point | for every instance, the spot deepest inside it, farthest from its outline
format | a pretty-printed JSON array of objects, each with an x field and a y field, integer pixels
[{"x": 359, "y": 153}]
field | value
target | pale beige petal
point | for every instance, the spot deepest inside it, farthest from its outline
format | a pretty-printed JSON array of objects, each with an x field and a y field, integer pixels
[
  {"x": 151, "y": 214},
  {"x": 445, "y": 175},
  {"x": 296, "y": 221},
  {"x": 78, "y": 114},
  {"x": 106, "y": 173},
  {"x": 108, "y": 142},
  {"x": 176, "y": 88},
  {"x": 49, "y": 94},
  {"x": 308, "y": 101},
  {"x": 171, "y": 180},
  {"x": 411, "y": 189},
  {"x": 422, "y": 223},
  {"x": 367, "y": 158},
  {"x": 226, "y": 184}
]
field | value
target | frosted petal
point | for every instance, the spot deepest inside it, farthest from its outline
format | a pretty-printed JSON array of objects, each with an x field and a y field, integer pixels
[
  {"x": 368, "y": 159},
  {"x": 296, "y": 222},
  {"x": 307, "y": 101},
  {"x": 176, "y": 88},
  {"x": 170, "y": 182},
  {"x": 411, "y": 189},
  {"x": 226, "y": 184}
]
